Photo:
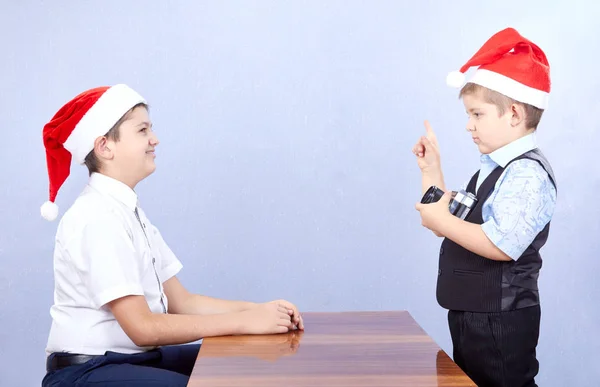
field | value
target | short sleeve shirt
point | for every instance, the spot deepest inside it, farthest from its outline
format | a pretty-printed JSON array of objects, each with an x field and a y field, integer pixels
[{"x": 105, "y": 248}]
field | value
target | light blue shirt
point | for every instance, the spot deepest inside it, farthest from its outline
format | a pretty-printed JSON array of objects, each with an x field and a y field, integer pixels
[{"x": 523, "y": 199}]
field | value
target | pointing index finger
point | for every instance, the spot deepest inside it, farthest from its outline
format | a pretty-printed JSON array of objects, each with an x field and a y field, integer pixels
[{"x": 429, "y": 131}]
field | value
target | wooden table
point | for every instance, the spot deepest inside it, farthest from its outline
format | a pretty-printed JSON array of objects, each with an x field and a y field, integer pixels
[{"x": 347, "y": 349}]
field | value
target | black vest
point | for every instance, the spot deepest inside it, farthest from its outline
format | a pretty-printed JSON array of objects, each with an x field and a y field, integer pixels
[{"x": 470, "y": 282}]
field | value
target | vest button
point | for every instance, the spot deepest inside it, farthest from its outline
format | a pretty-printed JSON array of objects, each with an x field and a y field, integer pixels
[
  {"x": 439, "y": 272},
  {"x": 441, "y": 251}
]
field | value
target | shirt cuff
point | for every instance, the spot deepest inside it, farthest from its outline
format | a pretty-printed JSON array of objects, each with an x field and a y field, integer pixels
[{"x": 117, "y": 292}]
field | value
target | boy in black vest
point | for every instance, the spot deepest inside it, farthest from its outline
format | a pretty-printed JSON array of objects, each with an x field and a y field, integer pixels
[{"x": 489, "y": 263}]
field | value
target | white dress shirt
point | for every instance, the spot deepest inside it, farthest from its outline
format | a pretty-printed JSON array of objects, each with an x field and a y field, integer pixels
[{"x": 102, "y": 253}]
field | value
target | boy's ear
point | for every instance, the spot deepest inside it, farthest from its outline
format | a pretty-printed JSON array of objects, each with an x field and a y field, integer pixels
[
  {"x": 102, "y": 149},
  {"x": 517, "y": 114}
]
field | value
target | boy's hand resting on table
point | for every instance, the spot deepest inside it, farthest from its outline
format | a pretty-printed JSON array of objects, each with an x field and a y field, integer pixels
[
  {"x": 293, "y": 311},
  {"x": 278, "y": 316}
]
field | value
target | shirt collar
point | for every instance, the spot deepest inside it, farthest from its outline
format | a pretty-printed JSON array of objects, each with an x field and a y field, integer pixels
[
  {"x": 116, "y": 189},
  {"x": 502, "y": 156}
]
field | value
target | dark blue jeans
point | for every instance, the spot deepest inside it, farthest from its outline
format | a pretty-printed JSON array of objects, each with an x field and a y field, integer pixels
[{"x": 169, "y": 366}]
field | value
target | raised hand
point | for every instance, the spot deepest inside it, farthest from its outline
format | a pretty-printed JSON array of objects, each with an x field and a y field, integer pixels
[{"x": 427, "y": 151}]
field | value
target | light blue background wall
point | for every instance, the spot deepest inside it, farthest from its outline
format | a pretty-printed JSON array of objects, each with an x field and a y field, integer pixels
[{"x": 284, "y": 168}]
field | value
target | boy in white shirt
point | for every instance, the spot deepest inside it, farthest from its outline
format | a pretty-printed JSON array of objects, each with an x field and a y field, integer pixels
[{"x": 119, "y": 310}]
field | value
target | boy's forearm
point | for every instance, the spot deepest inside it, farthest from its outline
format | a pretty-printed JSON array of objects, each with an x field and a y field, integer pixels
[
  {"x": 433, "y": 177},
  {"x": 471, "y": 237},
  {"x": 204, "y": 305},
  {"x": 173, "y": 329}
]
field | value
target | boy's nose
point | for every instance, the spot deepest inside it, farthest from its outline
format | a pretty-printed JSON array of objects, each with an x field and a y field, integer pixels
[
  {"x": 470, "y": 127},
  {"x": 154, "y": 140}
]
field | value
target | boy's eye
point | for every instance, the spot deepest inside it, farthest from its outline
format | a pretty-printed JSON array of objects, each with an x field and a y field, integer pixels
[{"x": 143, "y": 129}]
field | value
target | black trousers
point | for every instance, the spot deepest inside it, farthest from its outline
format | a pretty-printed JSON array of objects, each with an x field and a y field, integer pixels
[{"x": 497, "y": 349}]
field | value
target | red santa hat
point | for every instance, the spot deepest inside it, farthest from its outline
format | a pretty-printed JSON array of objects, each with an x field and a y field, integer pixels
[
  {"x": 74, "y": 128},
  {"x": 511, "y": 65}
]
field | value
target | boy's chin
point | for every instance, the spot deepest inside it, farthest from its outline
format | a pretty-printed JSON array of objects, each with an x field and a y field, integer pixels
[
  {"x": 484, "y": 150},
  {"x": 150, "y": 168}
]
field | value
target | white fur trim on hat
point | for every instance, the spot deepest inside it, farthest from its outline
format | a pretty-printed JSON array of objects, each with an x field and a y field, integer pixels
[
  {"x": 101, "y": 117},
  {"x": 511, "y": 88}
]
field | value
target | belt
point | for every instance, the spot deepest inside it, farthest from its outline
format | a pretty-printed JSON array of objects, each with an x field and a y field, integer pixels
[{"x": 62, "y": 360}]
